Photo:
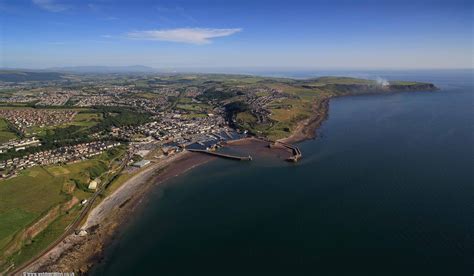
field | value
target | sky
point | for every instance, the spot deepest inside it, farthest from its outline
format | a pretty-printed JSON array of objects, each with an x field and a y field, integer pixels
[{"x": 237, "y": 34}]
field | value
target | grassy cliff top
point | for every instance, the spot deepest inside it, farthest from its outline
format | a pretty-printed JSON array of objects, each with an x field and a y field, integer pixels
[{"x": 303, "y": 100}]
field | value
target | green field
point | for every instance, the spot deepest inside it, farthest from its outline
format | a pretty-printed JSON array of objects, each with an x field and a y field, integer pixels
[
  {"x": 26, "y": 198},
  {"x": 86, "y": 119},
  {"x": 5, "y": 133},
  {"x": 83, "y": 120},
  {"x": 45, "y": 238},
  {"x": 194, "y": 107},
  {"x": 148, "y": 95},
  {"x": 195, "y": 115}
]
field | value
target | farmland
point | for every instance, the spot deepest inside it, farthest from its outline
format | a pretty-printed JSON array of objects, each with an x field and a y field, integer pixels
[
  {"x": 37, "y": 190},
  {"x": 6, "y": 133}
]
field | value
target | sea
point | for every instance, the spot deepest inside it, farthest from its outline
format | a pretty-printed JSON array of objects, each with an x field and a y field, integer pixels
[{"x": 386, "y": 188}]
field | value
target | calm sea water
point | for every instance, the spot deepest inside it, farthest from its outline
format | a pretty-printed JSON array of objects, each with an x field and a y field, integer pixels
[{"x": 386, "y": 189}]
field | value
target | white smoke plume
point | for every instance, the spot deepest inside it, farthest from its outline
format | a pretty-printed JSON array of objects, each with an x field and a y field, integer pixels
[{"x": 382, "y": 82}]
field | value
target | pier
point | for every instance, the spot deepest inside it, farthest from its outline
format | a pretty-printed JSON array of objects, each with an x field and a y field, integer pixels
[
  {"x": 294, "y": 149},
  {"x": 223, "y": 155}
]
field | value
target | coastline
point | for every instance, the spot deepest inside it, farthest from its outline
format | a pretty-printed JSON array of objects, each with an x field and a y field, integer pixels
[
  {"x": 80, "y": 254},
  {"x": 306, "y": 129}
]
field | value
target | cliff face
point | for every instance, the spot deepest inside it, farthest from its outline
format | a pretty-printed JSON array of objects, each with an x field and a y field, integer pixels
[
  {"x": 306, "y": 129},
  {"x": 354, "y": 89},
  {"x": 413, "y": 87}
]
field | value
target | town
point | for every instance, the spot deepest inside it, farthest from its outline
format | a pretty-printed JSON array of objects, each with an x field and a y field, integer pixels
[
  {"x": 70, "y": 154},
  {"x": 25, "y": 119},
  {"x": 73, "y": 139},
  {"x": 84, "y": 116}
]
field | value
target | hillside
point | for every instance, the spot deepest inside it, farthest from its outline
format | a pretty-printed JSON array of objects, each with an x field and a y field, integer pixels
[
  {"x": 21, "y": 76},
  {"x": 276, "y": 108}
]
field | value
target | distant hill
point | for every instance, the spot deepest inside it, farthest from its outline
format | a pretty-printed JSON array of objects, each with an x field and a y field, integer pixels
[
  {"x": 105, "y": 69},
  {"x": 20, "y": 76}
]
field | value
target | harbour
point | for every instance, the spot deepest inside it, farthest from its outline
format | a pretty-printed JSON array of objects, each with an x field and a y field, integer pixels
[{"x": 344, "y": 198}]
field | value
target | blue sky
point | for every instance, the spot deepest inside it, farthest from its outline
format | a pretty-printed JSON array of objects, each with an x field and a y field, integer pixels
[{"x": 246, "y": 34}]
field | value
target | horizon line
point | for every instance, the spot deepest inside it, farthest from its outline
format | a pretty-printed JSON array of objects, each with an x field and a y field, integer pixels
[{"x": 52, "y": 68}]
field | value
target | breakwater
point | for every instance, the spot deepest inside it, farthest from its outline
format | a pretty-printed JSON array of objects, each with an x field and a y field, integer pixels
[
  {"x": 227, "y": 156},
  {"x": 297, "y": 155}
]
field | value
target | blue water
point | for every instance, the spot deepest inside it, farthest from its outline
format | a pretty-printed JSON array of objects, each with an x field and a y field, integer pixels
[{"x": 387, "y": 188}]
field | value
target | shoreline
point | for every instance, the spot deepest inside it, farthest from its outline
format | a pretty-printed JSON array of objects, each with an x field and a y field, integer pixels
[
  {"x": 80, "y": 254},
  {"x": 306, "y": 129}
]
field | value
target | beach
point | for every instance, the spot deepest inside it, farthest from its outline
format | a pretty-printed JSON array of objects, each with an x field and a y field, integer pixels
[
  {"x": 79, "y": 253},
  {"x": 374, "y": 191}
]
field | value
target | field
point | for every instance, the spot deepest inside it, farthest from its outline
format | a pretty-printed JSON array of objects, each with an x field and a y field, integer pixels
[
  {"x": 48, "y": 236},
  {"x": 83, "y": 120},
  {"x": 148, "y": 95},
  {"x": 195, "y": 115},
  {"x": 5, "y": 133},
  {"x": 86, "y": 120},
  {"x": 27, "y": 197},
  {"x": 188, "y": 105}
]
